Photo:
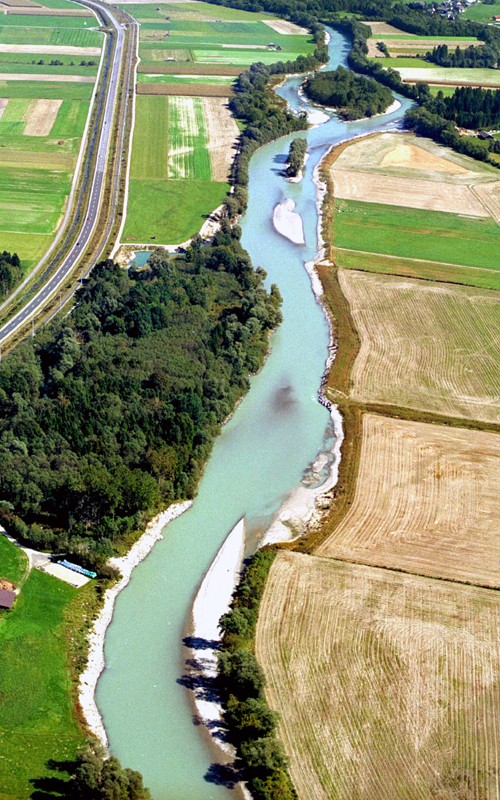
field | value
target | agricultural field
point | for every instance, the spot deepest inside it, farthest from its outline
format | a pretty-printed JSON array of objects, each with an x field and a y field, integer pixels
[
  {"x": 37, "y": 722},
  {"x": 451, "y": 76},
  {"x": 214, "y": 35},
  {"x": 481, "y": 11},
  {"x": 415, "y": 46},
  {"x": 442, "y": 353},
  {"x": 48, "y": 68},
  {"x": 181, "y": 155},
  {"x": 427, "y": 501},
  {"x": 387, "y": 684},
  {"x": 392, "y": 190}
]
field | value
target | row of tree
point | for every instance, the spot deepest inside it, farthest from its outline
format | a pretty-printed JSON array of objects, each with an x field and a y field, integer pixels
[
  {"x": 252, "y": 724},
  {"x": 470, "y": 107},
  {"x": 355, "y": 96},
  {"x": 11, "y": 272},
  {"x": 470, "y": 57},
  {"x": 111, "y": 413}
]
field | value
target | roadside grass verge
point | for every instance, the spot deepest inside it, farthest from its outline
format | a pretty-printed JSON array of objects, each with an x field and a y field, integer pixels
[
  {"x": 416, "y": 233},
  {"x": 170, "y": 211}
]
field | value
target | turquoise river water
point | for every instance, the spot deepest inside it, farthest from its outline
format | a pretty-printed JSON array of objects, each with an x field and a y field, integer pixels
[{"x": 260, "y": 456}]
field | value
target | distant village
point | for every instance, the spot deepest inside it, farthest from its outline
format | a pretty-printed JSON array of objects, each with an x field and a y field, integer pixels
[{"x": 450, "y": 9}]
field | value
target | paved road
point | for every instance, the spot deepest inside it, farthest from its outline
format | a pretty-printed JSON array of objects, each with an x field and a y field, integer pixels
[{"x": 37, "y": 303}]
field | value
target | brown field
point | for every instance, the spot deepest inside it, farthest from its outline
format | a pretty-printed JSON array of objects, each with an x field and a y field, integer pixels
[
  {"x": 222, "y": 135},
  {"x": 187, "y": 68},
  {"x": 382, "y": 29},
  {"x": 413, "y": 47},
  {"x": 185, "y": 89},
  {"x": 58, "y": 160},
  {"x": 429, "y": 347},
  {"x": 405, "y": 155},
  {"x": 54, "y": 49},
  {"x": 21, "y": 4},
  {"x": 42, "y": 117},
  {"x": 22, "y": 76},
  {"x": 427, "y": 501},
  {"x": 414, "y": 193},
  {"x": 489, "y": 194},
  {"x": 286, "y": 28},
  {"x": 388, "y": 684}
]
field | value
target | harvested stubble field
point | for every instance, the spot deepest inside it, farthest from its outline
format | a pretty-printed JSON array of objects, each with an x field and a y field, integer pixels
[
  {"x": 452, "y": 76},
  {"x": 428, "y": 347},
  {"x": 388, "y": 685},
  {"x": 427, "y": 501},
  {"x": 416, "y": 46}
]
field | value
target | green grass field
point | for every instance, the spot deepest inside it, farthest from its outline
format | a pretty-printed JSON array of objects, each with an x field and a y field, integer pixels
[
  {"x": 46, "y": 89},
  {"x": 31, "y": 200},
  {"x": 74, "y": 37},
  {"x": 170, "y": 211},
  {"x": 402, "y": 61},
  {"x": 481, "y": 12},
  {"x": 13, "y": 564},
  {"x": 37, "y": 722},
  {"x": 187, "y": 140},
  {"x": 413, "y": 233},
  {"x": 21, "y": 59},
  {"x": 40, "y": 21},
  {"x": 150, "y": 150},
  {"x": 209, "y": 80}
]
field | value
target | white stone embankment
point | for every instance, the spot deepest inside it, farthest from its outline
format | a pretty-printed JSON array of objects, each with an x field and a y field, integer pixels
[
  {"x": 288, "y": 223},
  {"x": 96, "y": 662}
]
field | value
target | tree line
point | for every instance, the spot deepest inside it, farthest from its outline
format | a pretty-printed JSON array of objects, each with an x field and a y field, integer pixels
[
  {"x": 110, "y": 414},
  {"x": 252, "y": 724},
  {"x": 355, "y": 96},
  {"x": 470, "y": 57},
  {"x": 11, "y": 272}
]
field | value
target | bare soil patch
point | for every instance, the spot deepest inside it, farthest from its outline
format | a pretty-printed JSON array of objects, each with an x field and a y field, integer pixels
[
  {"x": 22, "y": 76},
  {"x": 185, "y": 89},
  {"x": 427, "y": 501},
  {"x": 42, "y": 118},
  {"x": 489, "y": 193},
  {"x": 388, "y": 685},
  {"x": 430, "y": 195},
  {"x": 410, "y": 155},
  {"x": 286, "y": 28},
  {"x": 223, "y": 133},
  {"x": 425, "y": 346},
  {"x": 382, "y": 29},
  {"x": 41, "y": 49}
]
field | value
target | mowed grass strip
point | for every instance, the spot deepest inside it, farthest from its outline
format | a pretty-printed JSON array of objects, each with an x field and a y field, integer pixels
[
  {"x": 416, "y": 233},
  {"x": 427, "y": 501},
  {"x": 37, "y": 722},
  {"x": 170, "y": 212},
  {"x": 424, "y": 346},
  {"x": 50, "y": 36},
  {"x": 388, "y": 685},
  {"x": 413, "y": 268},
  {"x": 150, "y": 146},
  {"x": 188, "y": 155}
]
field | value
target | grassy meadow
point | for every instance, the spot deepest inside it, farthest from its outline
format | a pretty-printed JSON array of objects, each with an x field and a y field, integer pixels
[
  {"x": 416, "y": 233},
  {"x": 37, "y": 722}
]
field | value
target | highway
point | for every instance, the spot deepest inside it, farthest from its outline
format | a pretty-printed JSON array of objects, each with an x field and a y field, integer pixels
[{"x": 39, "y": 300}]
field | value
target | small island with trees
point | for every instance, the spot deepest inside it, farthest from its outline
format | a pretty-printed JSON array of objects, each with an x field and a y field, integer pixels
[
  {"x": 296, "y": 158},
  {"x": 353, "y": 95}
]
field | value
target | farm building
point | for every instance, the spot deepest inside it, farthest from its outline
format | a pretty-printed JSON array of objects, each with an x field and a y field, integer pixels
[{"x": 7, "y": 598}]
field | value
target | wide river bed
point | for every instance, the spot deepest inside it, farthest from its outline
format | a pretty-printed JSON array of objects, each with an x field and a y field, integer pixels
[{"x": 261, "y": 455}]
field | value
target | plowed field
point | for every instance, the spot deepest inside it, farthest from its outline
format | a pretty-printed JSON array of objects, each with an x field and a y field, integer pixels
[
  {"x": 388, "y": 685},
  {"x": 427, "y": 501},
  {"x": 426, "y": 346}
]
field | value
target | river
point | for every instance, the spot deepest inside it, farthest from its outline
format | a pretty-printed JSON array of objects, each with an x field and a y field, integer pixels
[{"x": 261, "y": 454}]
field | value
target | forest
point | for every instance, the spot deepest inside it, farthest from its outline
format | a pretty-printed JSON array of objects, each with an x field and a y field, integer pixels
[
  {"x": 470, "y": 57},
  {"x": 110, "y": 414},
  {"x": 296, "y": 156},
  {"x": 469, "y": 107},
  {"x": 11, "y": 272},
  {"x": 353, "y": 95}
]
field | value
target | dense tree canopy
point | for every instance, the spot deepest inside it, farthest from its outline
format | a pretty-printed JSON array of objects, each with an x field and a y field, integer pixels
[
  {"x": 111, "y": 413},
  {"x": 354, "y": 95},
  {"x": 296, "y": 156},
  {"x": 11, "y": 272},
  {"x": 98, "y": 777}
]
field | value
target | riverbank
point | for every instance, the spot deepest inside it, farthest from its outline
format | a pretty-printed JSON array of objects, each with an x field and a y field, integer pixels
[{"x": 96, "y": 661}]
